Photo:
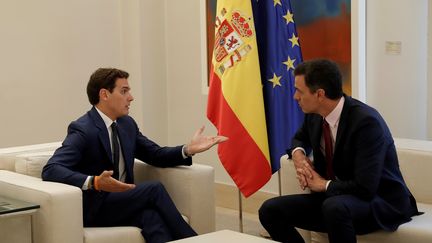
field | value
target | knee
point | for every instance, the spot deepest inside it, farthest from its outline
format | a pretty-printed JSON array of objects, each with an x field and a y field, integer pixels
[
  {"x": 156, "y": 186},
  {"x": 267, "y": 211},
  {"x": 334, "y": 208},
  {"x": 151, "y": 188}
]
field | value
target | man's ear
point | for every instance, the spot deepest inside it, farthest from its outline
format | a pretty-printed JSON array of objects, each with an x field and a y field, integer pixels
[
  {"x": 103, "y": 94},
  {"x": 321, "y": 93}
]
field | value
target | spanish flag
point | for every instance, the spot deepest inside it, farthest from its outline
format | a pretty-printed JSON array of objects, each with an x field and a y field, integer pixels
[{"x": 235, "y": 102}]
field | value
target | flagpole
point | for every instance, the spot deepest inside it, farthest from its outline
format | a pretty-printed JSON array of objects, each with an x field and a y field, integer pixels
[
  {"x": 240, "y": 211},
  {"x": 280, "y": 182}
]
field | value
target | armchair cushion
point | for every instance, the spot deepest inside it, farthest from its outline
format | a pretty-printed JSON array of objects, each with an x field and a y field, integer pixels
[
  {"x": 31, "y": 164},
  {"x": 7, "y": 162},
  {"x": 112, "y": 235}
]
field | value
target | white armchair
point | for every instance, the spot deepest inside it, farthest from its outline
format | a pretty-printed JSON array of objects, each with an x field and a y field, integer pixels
[
  {"x": 415, "y": 160},
  {"x": 59, "y": 218}
]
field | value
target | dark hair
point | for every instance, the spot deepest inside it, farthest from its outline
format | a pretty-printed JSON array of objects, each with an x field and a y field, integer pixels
[
  {"x": 321, "y": 74},
  {"x": 103, "y": 78}
]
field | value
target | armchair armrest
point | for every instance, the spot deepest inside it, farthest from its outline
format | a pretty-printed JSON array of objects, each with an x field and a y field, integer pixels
[
  {"x": 289, "y": 182},
  {"x": 59, "y": 218},
  {"x": 190, "y": 187}
]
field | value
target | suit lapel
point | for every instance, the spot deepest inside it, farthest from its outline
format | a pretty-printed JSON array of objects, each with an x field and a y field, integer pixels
[
  {"x": 103, "y": 132},
  {"x": 343, "y": 122},
  {"x": 316, "y": 132}
]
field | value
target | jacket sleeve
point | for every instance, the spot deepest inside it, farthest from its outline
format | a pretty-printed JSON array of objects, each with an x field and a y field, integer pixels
[
  {"x": 153, "y": 154},
  {"x": 60, "y": 167}
]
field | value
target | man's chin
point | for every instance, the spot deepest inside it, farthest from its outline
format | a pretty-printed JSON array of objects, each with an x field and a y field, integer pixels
[
  {"x": 305, "y": 111},
  {"x": 124, "y": 114}
]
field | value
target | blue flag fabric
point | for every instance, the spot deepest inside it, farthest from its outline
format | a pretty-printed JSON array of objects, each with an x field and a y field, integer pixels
[{"x": 279, "y": 53}]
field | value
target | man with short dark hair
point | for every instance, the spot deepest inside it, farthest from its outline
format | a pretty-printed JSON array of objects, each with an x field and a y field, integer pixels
[
  {"x": 355, "y": 180},
  {"x": 98, "y": 155}
]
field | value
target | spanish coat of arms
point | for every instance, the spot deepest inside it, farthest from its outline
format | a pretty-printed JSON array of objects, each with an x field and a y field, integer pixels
[{"x": 230, "y": 46}]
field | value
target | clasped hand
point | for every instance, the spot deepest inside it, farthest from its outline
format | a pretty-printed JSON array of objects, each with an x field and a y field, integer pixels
[{"x": 306, "y": 174}]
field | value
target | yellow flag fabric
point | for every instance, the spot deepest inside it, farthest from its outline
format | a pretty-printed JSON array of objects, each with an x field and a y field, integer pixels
[{"x": 235, "y": 102}]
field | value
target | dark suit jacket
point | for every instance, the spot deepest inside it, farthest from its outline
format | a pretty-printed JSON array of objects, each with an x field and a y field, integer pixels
[
  {"x": 86, "y": 151},
  {"x": 365, "y": 162}
]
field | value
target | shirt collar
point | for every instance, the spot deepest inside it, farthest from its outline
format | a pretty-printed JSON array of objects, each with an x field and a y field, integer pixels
[
  {"x": 105, "y": 118},
  {"x": 334, "y": 116}
]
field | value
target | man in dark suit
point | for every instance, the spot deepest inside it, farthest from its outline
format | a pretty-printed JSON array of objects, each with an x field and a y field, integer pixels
[
  {"x": 354, "y": 178},
  {"x": 98, "y": 154}
]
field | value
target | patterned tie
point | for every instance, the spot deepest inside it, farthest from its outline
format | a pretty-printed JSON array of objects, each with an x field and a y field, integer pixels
[
  {"x": 328, "y": 149},
  {"x": 116, "y": 150}
]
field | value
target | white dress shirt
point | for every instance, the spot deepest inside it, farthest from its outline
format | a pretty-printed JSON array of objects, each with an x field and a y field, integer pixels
[{"x": 122, "y": 172}]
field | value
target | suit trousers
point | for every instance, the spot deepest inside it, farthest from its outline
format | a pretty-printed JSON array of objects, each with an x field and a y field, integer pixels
[
  {"x": 149, "y": 207},
  {"x": 342, "y": 217}
]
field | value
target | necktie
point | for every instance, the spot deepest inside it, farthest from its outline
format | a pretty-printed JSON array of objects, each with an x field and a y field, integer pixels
[
  {"x": 116, "y": 150},
  {"x": 328, "y": 149}
]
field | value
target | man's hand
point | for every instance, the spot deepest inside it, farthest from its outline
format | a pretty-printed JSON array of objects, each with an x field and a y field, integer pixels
[
  {"x": 200, "y": 143},
  {"x": 316, "y": 183},
  {"x": 106, "y": 183},
  {"x": 301, "y": 164}
]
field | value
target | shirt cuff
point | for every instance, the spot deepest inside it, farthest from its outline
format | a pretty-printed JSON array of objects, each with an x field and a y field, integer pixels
[
  {"x": 327, "y": 184},
  {"x": 184, "y": 152},
  {"x": 85, "y": 186},
  {"x": 298, "y": 148}
]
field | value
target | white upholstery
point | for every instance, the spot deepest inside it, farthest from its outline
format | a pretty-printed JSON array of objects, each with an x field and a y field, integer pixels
[
  {"x": 112, "y": 234},
  {"x": 415, "y": 160},
  {"x": 31, "y": 164},
  {"x": 60, "y": 217}
]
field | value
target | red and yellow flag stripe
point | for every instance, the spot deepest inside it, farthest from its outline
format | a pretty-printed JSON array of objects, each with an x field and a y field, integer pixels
[{"x": 235, "y": 102}]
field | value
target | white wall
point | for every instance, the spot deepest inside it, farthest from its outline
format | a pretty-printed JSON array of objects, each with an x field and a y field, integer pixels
[
  {"x": 153, "y": 67},
  {"x": 397, "y": 84},
  {"x": 48, "y": 50}
]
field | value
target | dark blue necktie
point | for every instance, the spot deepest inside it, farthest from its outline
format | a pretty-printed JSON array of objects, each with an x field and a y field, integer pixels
[{"x": 116, "y": 150}]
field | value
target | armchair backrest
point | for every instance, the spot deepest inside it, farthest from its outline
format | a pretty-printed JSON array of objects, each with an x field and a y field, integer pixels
[
  {"x": 41, "y": 152},
  {"x": 31, "y": 164},
  {"x": 415, "y": 161}
]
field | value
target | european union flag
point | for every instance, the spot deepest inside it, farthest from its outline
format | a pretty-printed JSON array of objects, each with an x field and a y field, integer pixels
[{"x": 279, "y": 53}]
